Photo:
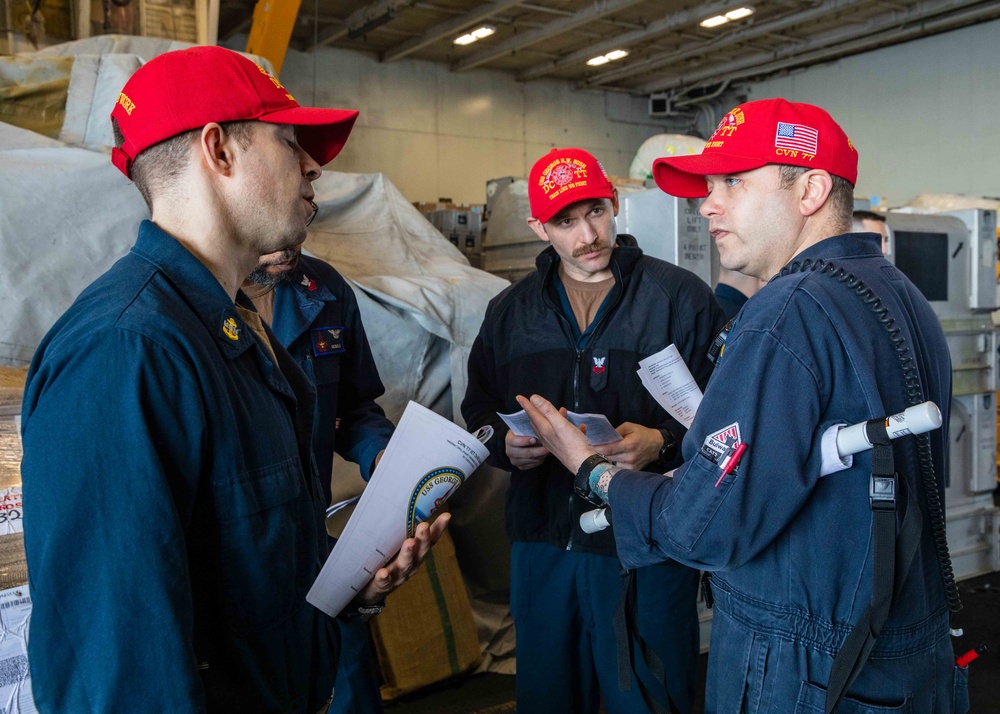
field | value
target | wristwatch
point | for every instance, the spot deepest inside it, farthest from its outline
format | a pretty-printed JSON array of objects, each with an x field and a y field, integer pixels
[
  {"x": 367, "y": 611},
  {"x": 668, "y": 452}
]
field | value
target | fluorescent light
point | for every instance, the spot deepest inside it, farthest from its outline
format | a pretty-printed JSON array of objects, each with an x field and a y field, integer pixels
[
  {"x": 477, "y": 34},
  {"x": 604, "y": 59},
  {"x": 739, "y": 13},
  {"x": 714, "y": 21}
]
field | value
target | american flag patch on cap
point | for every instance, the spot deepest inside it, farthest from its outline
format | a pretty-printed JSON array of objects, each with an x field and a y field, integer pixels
[{"x": 796, "y": 136}]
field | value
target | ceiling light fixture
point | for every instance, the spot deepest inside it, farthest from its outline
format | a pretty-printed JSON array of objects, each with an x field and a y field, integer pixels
[
  {"x": 737, "y": 14},
  {"x": 714, "y": 21},
  {"x": 474, "y": 35},
  {"x": 610, "y": 56}
]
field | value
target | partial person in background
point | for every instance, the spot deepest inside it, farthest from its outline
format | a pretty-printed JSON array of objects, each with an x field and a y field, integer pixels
[
  {"x": 177, "y": 522},
  {"x": 575, "y": 330},
  {"x": 314, "y": 314},
  {"x": 871, "y": 222},
  {"x": 734, "y": 289}
]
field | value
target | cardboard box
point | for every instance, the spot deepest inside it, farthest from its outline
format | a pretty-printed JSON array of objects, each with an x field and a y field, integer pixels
[{"x": 426, "y": 633}]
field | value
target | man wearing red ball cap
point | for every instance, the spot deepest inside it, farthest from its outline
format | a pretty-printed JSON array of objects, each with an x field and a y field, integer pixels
[
  {"x": 827, "y": 588},
  {"x": 176, "y": 518},
  {"x": 575, "y": 330}
]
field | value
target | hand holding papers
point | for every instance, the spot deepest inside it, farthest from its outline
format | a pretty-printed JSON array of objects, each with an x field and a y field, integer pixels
[
  {"x": 667, "y": 378},
  {"x": 599, "y": 429},
  {"x": 426, "y": 460}
]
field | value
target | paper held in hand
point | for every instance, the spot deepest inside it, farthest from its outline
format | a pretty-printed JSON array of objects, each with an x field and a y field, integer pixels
[
  {"x": 668, "y": 379},
  {"x": 599, "y": 429},
  {"x": 426, "y": 460}
]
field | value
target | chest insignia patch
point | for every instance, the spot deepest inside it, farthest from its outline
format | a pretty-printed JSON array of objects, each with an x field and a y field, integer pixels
[
  {"x": 308, "y": 283},
  {"x": 231, "y": 329},
  {"x": 599, "y": 367},
  {"x": 328, "y": 341},
  {"x": 721, "y": 442}
]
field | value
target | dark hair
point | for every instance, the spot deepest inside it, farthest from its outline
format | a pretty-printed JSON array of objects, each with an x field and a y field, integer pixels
[
  {"x": 841, "y": 197},
  {"x": 157, "y": 168},
  {"x": 868, "y": 216}
]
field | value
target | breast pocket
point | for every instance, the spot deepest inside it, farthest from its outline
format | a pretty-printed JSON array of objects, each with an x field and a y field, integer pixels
[
  {"x": 263, "y": 548},
  {"x": 702, "y": 493},
  {"x": 326, "y": 369}
]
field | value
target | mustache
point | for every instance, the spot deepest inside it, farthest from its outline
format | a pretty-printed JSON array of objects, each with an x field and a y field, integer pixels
[{"x": 592, "y": 248}]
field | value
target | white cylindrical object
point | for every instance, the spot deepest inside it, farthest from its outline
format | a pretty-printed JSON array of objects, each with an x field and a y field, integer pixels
[
  {"x": 593, "y": 521},
  {"x": 915, "y": 420}
]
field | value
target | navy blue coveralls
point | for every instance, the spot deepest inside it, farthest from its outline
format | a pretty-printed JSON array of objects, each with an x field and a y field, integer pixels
[
  {"x": 565, "y": 584},
  {"x": 793, "y": 551},
  {"x": 176, "y": 522},
  {"x": 317, "y": 320}
]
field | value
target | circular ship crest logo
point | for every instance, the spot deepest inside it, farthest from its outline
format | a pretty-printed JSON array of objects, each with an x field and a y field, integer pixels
[{"x": 430, "y": 494}]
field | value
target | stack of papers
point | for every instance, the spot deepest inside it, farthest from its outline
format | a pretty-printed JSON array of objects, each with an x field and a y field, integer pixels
[
  {"x": 426, "y": 460},
  {"x": 668, "y": 379}
]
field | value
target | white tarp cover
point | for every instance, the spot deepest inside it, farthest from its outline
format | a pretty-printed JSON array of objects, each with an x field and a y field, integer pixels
[
  {"x": 662, "y": 145},
  {"x": 66, "y": 215}
]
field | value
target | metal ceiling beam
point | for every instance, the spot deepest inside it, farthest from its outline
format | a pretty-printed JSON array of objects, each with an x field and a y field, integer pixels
[
  {"x": 448, "y": 28},
  {"x": 742, "y": 35},
  {"x": 570, "y": 13},
  {"x": 880, "y": 30},
  {"x": 599, "y": 9},
  {"x": 371, "y": 14},
  {"x": 659, "y": 27}
]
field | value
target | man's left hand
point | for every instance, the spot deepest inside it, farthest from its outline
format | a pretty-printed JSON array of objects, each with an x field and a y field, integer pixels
[
  {"x": 639, "y": 446},
  {"x": 401, "y": 568}
]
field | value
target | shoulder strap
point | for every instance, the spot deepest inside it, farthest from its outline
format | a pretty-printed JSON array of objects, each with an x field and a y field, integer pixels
[
  {"x": 882, "y": 492},
  {"x": 626, "y": 635}
]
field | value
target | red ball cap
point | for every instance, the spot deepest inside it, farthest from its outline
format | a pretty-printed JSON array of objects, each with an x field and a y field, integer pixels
[
  {"x": 768, "y": 131},
  {"x": 562, "y": 177},
  {"x": 187, "y": 89}
]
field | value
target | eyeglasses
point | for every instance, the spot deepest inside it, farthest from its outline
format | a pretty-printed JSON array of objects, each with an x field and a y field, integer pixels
[{"x": 312, "y": 216}]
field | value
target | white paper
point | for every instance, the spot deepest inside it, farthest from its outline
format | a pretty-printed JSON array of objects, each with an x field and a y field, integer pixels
[
  {"x": 668, "y": 379},
  {"x": 15, "y": 680},
  {"x": 11, "y": 512},
  {"x": 599, "y": 429},
  {"x": 427, "y": 458},
  {"x": 519, "y": 423}
]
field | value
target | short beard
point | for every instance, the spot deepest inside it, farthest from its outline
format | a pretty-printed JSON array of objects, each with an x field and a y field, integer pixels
[{"x": 260, "y": 276}]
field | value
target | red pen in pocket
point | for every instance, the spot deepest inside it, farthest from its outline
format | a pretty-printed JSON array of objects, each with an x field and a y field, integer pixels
[{"x": 730, "y": 463}]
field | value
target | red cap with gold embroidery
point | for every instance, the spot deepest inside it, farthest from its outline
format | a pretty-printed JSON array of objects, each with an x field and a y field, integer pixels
[
  {"x": 768, "y": 131},
  {"x": 187, "y": 89},
  {"x": 562, "y": 177}
]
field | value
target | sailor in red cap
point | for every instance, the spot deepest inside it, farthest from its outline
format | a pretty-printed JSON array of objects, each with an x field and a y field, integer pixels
[
  {"x": 575, "y": 330},
  {"x": 827, "y": 589},
  {"x": 177, "y": 521}
]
